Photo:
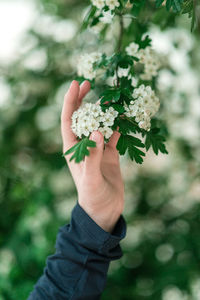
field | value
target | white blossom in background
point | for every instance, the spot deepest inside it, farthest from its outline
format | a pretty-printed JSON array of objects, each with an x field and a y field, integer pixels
[
  {"x": 85, "y": 65},
  {"x": 122, "y": 72},
  {"x": 151, "y": 62},
  {"x": 144, "y": 107},
  {"x": 90, "y": 117},
  {"x": 134, "y": 80},
  {"x": 195, "y": 288},
  {"x": 107, "y": 17},
  {"x": 112, "y": 4},
  {"x": 7, "y": 260},
  {"x": 132, "y": 49},
  {"x": 148, "y": 57},
  {"x": 98, "y": 3},
  {"x": 174, "y": 293},
  {"x": 96, "y": 29}
]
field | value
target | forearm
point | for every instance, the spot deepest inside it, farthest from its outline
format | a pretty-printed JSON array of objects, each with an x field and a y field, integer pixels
[{"x": 78, "y": 269}]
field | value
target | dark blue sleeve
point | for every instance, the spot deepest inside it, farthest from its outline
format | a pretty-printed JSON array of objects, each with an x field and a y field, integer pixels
[{"x": 78, "y": 269}]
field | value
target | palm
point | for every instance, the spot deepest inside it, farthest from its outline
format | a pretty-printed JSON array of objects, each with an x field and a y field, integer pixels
[{"x": 110, "y": 167}]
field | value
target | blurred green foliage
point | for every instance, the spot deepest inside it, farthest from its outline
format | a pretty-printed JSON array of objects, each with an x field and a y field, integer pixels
[{"x": 37, "y": 194}]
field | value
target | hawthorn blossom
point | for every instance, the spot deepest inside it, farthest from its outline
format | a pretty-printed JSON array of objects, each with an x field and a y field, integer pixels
[
  {"x": 90, "y": 117},
  {"x": 122, "y": 72},
  {"x": 144, "y": 107},
  {"x": 98, "y": 3},
  {"x": 112, "y": 4},
  {"x": 151, "y": 62},
  {"x": 85, "y": 65},
  {"x": 132, "y": 49}
]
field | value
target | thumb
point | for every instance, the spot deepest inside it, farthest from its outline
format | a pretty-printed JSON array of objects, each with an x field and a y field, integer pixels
[{"x": 93, "y": 161}]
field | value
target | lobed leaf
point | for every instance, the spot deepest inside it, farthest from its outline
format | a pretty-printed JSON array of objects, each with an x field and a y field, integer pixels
[
  {"x": 156, "y": 141},
  {"x": 130, "y": 143},
  {"x": 80, "y": 150}
]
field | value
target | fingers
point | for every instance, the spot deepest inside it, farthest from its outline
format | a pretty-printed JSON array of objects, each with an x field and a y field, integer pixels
[
  {"x": 69, "y": 106},
  {"x": 111, "y": 153},
  {"x": 113, "y": 140},
  {"x": 84, "y": 89},
  {"x": 92, "y": 165}
]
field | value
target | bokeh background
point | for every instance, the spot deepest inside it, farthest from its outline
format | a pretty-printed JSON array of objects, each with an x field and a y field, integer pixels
[{"x": 40, "y": 42}]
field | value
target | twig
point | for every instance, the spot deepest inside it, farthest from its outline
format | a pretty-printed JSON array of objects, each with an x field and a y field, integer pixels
[{"x": 119, "y": 45}]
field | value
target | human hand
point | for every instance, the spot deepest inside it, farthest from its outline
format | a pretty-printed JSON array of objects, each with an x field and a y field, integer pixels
[{"x": 98, "y": 178}]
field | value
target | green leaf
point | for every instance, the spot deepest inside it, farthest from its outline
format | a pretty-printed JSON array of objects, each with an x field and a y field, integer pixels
[
  {"x": 156, "y": 141},
  {"x": 175, "y": 5},
  {"x": 110, "y": 95},
  {"x": 126, "y": 61},
  {"x": 89, "y": 16},
  {"x": 118, "y": 108},
  {"x": 137, "y": 7},
  {"x": 143, "y": 43},
  {"x": 125, "y": 126},
  {"x": 80, "y": 150},
  {"x": 126, "y": 95},
  {"x": 189, "y": 8},
  {"x": 130, "y": 143},
  {"x": 159, "y": 3}
]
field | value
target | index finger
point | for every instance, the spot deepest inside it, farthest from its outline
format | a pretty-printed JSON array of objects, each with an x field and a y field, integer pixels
[{"x": 69, "y": 106}]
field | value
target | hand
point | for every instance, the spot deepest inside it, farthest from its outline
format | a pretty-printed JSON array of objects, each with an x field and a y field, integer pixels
[{"x": 98, "y": 178}]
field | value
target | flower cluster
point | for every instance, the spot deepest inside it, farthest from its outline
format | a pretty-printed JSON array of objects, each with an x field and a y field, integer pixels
[
  {"x": 85, "y": 65},
  {"x": 146, "y": 56},
  {"x": 90, "y": 117},
  {"x": 145, "y": 106},
  {"x": 150, "y": 59},
  {"x": 112, "y": 4}
]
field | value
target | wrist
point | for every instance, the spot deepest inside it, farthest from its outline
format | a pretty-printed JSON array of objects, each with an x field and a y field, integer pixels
[{"x": 106, "y": 220}]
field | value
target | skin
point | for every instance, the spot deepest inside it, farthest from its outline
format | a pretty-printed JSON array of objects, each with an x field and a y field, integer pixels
[{"x": 98, "y": 178}]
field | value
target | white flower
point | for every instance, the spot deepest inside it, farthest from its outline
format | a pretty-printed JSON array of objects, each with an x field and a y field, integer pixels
[
  {"x": 90, "y": 117},
  {"x": 108, "y": 120},
  {"x": 145, "y": 106},
  {"x": 93, "y": 125},
  {"x": 112, "y": 4},
  {"x": 132, "y": 49},
  {"x": 98, "y": 3},
  {"x": 112, "y": 111},
  {"x": 122, "y": 72},
  {"x": 85, "y": 65},
  {"x": 151, "y": 62},
  {"x": 106, "y": 131},
  {"x": 107, "y": 17}
]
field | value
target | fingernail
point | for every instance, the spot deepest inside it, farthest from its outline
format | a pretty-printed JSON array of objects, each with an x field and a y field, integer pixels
[{"x": 96, "y": 137}]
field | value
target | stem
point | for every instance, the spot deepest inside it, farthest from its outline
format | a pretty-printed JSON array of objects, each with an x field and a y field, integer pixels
[
  {"x": 196, "y": 16},
  {"x": 121, "y": 32},
  {"x": 130, "y": 120},
  {"x": 119, "y": 44}
]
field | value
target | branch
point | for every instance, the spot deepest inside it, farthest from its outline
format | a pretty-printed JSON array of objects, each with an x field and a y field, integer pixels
[
  {"x": 121, "y": 32},
  {"x": 119, "y": 45}
]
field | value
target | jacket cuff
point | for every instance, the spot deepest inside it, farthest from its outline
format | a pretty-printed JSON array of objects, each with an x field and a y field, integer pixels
[{"x": 93, "y": 236}]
